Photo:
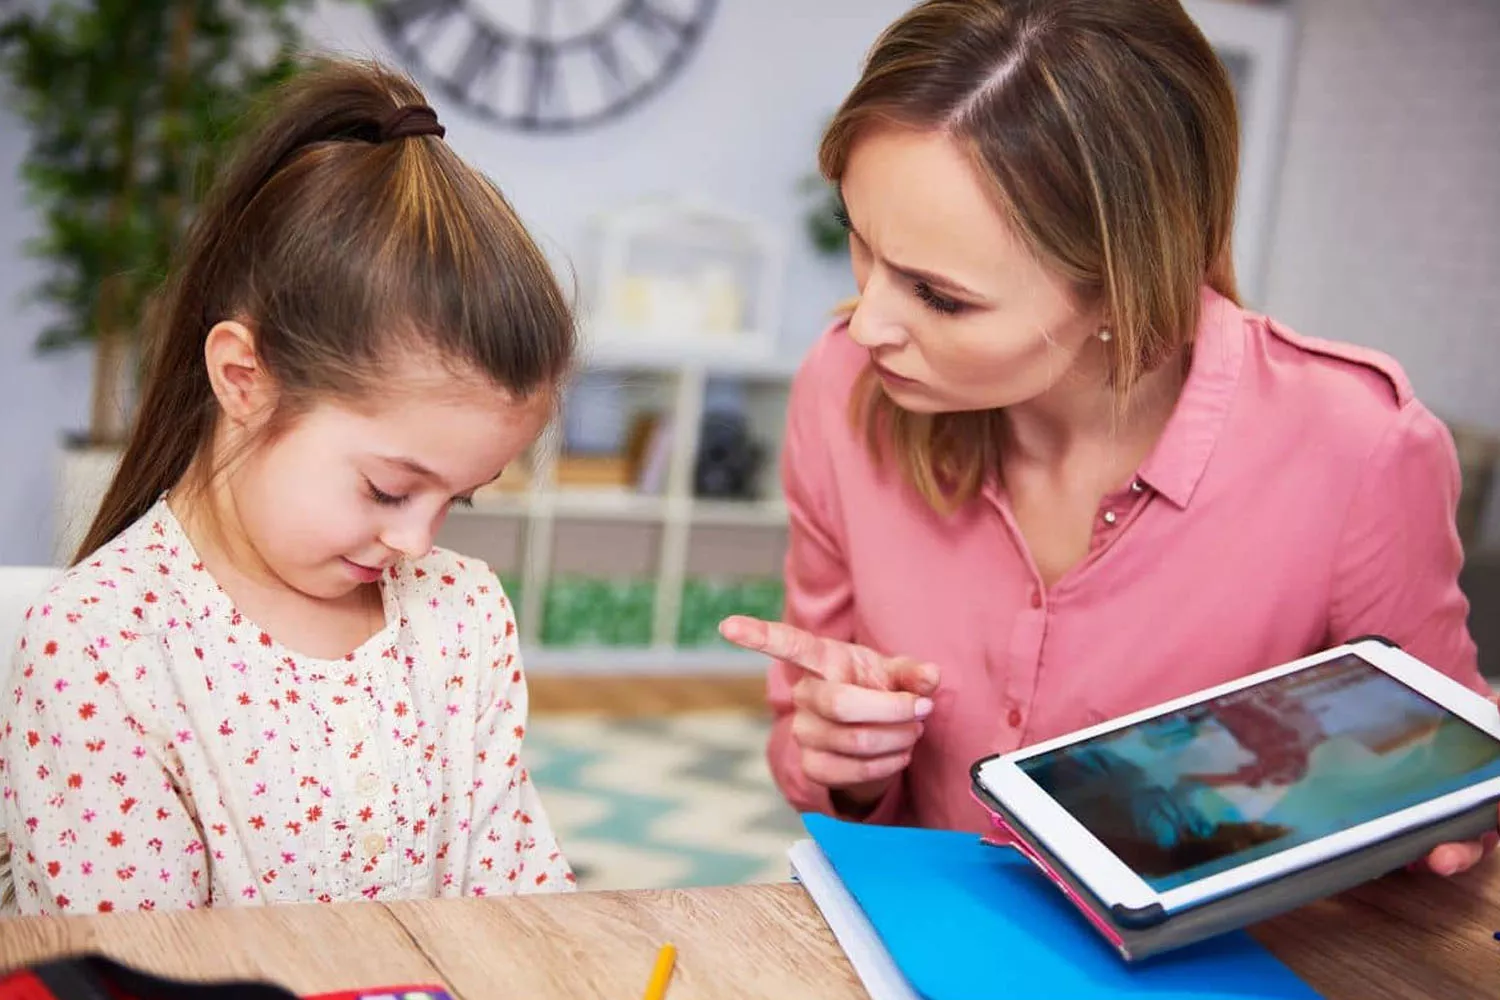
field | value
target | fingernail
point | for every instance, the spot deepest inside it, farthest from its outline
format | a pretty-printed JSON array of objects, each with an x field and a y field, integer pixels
[{"x": 922, "y": 707}]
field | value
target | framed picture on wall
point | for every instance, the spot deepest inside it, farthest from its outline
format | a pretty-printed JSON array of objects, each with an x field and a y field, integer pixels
[{"x": 1254, "y": 40}]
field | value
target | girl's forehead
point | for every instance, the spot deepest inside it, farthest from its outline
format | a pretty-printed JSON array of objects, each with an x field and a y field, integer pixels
[
  {"x": 412, "y": 382},
  {"x": 464, "y": 431},
  {"x": 407, "y": 409}
]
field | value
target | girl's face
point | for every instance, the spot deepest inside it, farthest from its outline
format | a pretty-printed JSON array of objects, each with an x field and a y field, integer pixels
[
  {"x": 955, "y": 311},
  {"x": 346, "y": 491}
]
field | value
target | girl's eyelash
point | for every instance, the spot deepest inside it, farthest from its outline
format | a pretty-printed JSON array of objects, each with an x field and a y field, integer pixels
[
  {"x": 842, "y": 218},
  {"x": 936, "y": 302},
  {"x": 383, "y": 498}
]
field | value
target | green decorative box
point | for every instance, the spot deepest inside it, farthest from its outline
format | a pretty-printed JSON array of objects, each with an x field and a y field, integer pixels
[
  {"x": 707, "y": 602},
  {"x": 588, "y": 611}
]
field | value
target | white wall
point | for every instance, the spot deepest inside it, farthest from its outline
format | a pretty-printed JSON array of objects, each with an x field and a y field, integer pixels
[
  {"x": 40, "y": 398},
  {"x": 738, "y": 127},
  {"x": 1387, "y": 233}
]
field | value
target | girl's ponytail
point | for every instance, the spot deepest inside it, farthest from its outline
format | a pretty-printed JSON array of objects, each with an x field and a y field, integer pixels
[{"x": 320, "y": 231}]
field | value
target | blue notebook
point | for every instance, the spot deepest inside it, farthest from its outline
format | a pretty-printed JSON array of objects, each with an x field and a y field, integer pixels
[{"x": 962, "y": 920}]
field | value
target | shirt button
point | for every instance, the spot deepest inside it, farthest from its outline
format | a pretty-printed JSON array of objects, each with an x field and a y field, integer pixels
[
  {"x": 1110, "y": 517},
  {"x": 374, "y": 844},
  {"x": 1136, "y": 486},
  {"x": 1014, "y": 718},
  {"x": 1036, "y": 598},
  {"x": 369, "y": 783}
]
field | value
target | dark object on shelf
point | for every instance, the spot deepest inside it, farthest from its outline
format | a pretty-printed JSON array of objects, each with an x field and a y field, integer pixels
[
  {"x": 1478, "y": 461},
  {"x": 728, "y": 458}
]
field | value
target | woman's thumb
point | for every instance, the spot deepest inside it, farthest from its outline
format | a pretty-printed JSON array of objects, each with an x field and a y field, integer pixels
[{"x": 917, "y": 676}]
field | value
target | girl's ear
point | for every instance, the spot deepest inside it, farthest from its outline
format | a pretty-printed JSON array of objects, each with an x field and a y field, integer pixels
[{"x": 241, "y": 384}]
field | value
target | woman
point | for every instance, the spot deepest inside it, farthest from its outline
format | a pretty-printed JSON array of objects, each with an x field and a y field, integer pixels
[{"x": 1047, "y": 470}]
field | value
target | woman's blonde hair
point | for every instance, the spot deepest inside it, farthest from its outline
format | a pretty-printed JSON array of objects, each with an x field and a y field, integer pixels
[{"x": 1108, "y": 132}]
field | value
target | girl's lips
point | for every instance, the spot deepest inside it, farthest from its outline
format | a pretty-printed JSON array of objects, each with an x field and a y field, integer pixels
[{"x": 362, "y": 573}]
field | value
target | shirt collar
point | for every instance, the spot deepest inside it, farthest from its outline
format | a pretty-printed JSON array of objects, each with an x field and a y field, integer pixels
[{"x": 1177, "y": 463}]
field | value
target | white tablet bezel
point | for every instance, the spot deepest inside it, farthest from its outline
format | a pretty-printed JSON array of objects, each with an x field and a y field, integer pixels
[{"x": 1113, "y": 882}]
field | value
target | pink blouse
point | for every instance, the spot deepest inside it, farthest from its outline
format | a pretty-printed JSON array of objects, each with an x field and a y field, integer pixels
[{"x": 1299, "y": 496}]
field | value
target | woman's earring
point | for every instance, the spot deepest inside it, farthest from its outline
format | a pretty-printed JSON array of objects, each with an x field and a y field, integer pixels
[{"x": 1104, "y": 335}]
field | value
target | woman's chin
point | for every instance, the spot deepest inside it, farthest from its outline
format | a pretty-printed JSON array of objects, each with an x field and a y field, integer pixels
[{"x": 918, "y": 398}]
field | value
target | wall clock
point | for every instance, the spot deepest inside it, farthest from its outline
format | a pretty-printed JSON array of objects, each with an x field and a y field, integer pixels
[{"x": 545, "y": 65}]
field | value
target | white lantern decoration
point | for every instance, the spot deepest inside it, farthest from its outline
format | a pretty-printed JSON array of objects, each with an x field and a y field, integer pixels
[{"x": 680, "y": 274}]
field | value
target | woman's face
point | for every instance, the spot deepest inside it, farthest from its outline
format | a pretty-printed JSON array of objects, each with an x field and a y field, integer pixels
[{"x": 955, "y": 311}]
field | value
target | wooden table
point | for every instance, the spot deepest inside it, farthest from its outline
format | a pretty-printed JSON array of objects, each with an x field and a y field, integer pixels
[{"x": 1404, "y": 937}]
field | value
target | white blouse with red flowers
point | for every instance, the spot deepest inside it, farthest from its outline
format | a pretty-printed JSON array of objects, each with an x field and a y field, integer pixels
[{"x": 159, "y": 750}]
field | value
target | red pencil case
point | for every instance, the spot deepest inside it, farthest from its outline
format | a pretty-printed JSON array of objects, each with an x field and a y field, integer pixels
[{"x": 95, "y": 977}]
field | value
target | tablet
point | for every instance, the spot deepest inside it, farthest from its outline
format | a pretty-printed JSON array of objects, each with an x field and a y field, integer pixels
[{"x": 1205, "y": 796}]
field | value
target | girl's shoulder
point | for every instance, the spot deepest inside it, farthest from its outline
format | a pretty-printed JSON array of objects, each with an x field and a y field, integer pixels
[
  {"x": 101, "y": 611},
  {"x": 443, "y": 578},
  {"x": 458, "y": 602},
  {"x": 129, "y": 581}
]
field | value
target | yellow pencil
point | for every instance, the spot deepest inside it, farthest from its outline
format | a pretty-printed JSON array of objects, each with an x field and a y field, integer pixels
[{"x": 665, "y": 959}]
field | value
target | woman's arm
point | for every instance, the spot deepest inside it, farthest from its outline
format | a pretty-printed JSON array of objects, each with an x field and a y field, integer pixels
[
  {"x": 1397, "y": 568},
  {"x": 1398, "y": 558},
  {"x": 819, "y": 591}
]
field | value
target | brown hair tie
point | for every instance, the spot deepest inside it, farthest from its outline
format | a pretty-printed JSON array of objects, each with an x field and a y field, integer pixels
[{"x": 411, "y": 120}]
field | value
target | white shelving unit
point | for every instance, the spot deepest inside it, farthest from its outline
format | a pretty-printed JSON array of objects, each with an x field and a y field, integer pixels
[{"x": 543, "y": 509}]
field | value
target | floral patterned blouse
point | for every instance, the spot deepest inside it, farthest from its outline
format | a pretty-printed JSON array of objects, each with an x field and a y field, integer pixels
[{"x": 158, "y": 750}]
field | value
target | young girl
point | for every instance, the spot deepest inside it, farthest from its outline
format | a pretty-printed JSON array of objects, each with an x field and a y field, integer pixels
[{"x": 260, "y": 682}]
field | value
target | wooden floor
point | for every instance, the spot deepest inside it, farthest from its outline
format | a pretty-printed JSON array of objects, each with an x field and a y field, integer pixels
[{"x": 637, "y": 695}]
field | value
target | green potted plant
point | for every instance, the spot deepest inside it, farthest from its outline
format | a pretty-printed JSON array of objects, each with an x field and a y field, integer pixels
[
  {"x": 825, "y": 233},
  {"x": 130, "y": 103}
]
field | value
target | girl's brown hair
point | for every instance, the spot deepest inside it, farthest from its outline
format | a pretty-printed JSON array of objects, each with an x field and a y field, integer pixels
[
  {"x": 345, "y": 231},
  {"x": 1108, "y": 132}
]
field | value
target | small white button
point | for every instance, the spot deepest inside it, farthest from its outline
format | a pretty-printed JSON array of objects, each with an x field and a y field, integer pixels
[
  {"x": 374, "y": 844},
  {"x": 1136, "y": 486},
  {"x": 369, "y": 783},
  {"x": 1110, "y": 517}
]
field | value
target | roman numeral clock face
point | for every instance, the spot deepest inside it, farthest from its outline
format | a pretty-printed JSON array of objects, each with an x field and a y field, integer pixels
[{"x": 545, "y": 65}]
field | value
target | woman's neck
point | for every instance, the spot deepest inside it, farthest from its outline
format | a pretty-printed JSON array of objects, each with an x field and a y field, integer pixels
[{"x": 1081, "y": 416}]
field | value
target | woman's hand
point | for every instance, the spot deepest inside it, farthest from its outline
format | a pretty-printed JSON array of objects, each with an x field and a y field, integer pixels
[
  {"x": 857, "y": 714},
  {"x": 1450, "y": 859}
]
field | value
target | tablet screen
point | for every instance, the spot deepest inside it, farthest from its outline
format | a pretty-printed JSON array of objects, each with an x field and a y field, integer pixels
[{"x": 1204, "y": 789}]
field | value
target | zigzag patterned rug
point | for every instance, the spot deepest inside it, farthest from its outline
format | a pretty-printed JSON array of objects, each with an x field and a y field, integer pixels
[{"x": 662, "y": 801}]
